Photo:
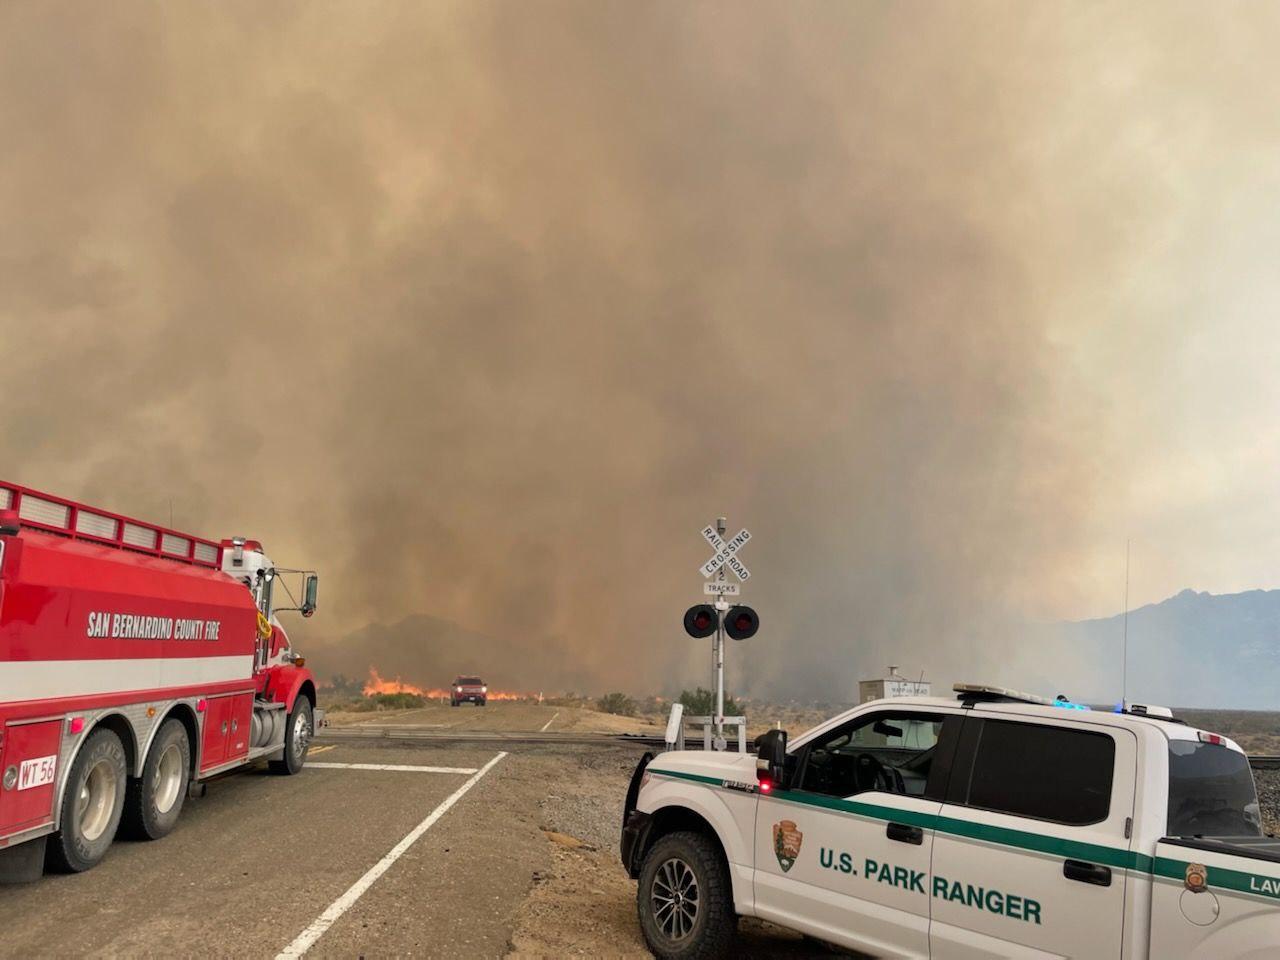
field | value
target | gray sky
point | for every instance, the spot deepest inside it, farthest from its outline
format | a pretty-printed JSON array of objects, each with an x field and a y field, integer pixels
[{"x": 484, "y": 309}]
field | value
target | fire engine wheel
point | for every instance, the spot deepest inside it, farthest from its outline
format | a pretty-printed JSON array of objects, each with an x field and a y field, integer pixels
[
  {"x": 684, "y": 899},
  {"x": 91, "y": 805},
  {"x": 297, "y": 739},
  {"x": 154, "y": 800}
]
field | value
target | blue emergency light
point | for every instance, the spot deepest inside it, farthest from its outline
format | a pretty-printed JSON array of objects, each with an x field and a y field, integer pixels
[{"x": 1065, "y": 704}]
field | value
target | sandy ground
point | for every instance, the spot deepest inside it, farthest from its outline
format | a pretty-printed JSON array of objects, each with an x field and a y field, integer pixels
[
  {"x": 521, "y": 716},
  {"x": 583, "y": 904},
  {"x": 518, "y": 716}
]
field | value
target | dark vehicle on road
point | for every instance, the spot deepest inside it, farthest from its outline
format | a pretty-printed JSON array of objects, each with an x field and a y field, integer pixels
[{"x": 469, "y": 690}]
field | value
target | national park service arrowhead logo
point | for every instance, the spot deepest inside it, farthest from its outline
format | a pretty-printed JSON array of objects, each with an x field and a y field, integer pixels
[
  {"x": 1197, "y": 878},
  {"x": 786, "y": 843}
]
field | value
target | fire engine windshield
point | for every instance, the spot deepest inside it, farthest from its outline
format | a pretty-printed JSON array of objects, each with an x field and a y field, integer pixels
[{"x": 1211, "y": 792}]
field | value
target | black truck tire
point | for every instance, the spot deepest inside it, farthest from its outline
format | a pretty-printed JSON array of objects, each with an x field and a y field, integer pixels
[
  {"x": 153, "y": 801},
  {"x": 297, "y": 739},
  {"x": 92, "y": 804},
  {"x": 685, "y": 899}
]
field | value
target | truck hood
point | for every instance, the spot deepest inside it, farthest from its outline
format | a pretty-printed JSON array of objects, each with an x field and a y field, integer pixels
[{"x": 718, "y": 766}]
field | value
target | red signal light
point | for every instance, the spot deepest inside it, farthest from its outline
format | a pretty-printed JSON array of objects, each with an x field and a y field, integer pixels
[
  {"x": 700, "y": 621},
  {"x": 741, "y": 623},
  {"x": 766, "y": 786}
]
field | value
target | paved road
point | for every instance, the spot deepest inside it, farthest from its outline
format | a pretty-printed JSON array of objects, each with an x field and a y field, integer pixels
[
  {"x": 254, "y": 863},
  {"x": 255, "y": 867}
]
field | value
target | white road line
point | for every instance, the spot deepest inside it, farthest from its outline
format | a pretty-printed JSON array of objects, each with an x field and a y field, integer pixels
[
  {"x": 390, "y": 766},
  {"x": 549, "y": 722},
  {"x": 307, "y": 938}
]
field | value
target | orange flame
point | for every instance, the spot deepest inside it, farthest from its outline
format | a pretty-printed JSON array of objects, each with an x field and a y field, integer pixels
[{"x": 375, "y": 685}]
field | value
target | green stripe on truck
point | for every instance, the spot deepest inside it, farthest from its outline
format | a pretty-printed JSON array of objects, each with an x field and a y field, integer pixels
[
  {"x": 1164, "y": 868},
  {"x": 1003, "y": 836}
]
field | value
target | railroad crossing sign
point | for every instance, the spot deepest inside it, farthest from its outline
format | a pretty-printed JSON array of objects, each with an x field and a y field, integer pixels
[{"x": 726, "y": 554}]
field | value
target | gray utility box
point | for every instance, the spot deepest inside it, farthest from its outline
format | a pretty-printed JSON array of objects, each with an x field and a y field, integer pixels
[{"x": 894, "y": 685}]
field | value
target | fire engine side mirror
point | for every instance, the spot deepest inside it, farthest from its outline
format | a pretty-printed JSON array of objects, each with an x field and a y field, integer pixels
[
  {"x": 771, "y": 760},
  {"x": 309, "y": 595}
]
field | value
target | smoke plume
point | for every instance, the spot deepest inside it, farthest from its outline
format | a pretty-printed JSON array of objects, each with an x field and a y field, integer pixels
[{"x": 484, "y": 310}]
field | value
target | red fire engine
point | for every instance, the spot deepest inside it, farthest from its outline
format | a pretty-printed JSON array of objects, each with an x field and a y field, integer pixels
[{"x": 135, "y": 663}]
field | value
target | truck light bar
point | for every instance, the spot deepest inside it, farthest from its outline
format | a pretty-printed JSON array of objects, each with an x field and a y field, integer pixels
[
  {"x": 982, "y": 692},
  {"x": 43, "y": 511}
]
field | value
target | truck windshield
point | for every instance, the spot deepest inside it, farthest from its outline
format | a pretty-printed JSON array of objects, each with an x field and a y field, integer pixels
[{"x": 1211, "y": 792}]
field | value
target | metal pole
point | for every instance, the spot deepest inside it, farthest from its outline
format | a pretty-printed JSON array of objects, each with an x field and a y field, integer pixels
[
  {"x": 719, "y": 718},
  {"x": 722, "y": 525}
]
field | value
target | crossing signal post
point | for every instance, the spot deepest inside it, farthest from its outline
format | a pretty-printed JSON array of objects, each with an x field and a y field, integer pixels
[{"x": 739, "y": 622}]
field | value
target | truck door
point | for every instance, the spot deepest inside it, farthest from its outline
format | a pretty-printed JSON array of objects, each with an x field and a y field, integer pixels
[
  {"x": 844, "y": 852},
  {"x": 1030, "y": 856}
]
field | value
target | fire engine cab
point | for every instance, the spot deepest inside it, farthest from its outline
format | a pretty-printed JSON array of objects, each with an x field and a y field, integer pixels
[{"x": 136, "y": 662}]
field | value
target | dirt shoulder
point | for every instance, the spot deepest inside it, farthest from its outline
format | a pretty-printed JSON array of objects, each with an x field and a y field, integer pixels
[{"x": 584, "y": 904}]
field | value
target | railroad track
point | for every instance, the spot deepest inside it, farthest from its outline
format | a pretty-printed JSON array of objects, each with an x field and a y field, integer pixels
[{"x": 410, "y": 734}]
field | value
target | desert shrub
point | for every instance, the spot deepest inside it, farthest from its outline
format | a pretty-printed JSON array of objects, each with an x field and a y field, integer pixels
[
  {"x": 393, "y": 701},
  {"x": 702, "y": 703},
  {"x": 618, "y": 703}
]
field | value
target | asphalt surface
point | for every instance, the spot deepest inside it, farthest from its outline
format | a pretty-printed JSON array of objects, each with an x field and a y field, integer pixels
[{"x": 260, "y": 858}]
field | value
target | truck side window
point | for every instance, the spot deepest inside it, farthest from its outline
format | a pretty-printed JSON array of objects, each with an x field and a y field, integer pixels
[
  {"x": 1048, "y": 773},
  {"x": 1211, "y": 792},
  {"x": 891, "y": 752}
]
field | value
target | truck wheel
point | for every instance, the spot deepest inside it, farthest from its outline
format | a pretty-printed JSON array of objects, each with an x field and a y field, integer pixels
[
  {"x": 153, "y": 801},
  {"x": 91, "y": 805},
  {"x": 685, "y": 900},
  {"x": 297, "y": 739}
]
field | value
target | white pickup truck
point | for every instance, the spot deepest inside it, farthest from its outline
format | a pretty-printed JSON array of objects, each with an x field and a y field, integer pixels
[{"x": 993, "y": 825}]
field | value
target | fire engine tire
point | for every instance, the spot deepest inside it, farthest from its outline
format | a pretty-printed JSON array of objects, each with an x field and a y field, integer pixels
[
  {"x": 153, "y": 801},
  {"x": 297, "y": 739},
  {"x": 91, "y": 805},
  {"x": 685, "y": 899}
]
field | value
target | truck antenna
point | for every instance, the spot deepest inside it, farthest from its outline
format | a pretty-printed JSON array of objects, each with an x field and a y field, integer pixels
[{"x": 1124, "y": 648}]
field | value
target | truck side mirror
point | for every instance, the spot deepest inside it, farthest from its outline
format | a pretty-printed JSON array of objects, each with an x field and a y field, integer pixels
[
  {"x": 771, "y": 760},
  {"x": 310, "y": 591}
]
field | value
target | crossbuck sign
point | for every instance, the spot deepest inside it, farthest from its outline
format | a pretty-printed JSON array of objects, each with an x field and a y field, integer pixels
[{"x": 726, "y": 554}]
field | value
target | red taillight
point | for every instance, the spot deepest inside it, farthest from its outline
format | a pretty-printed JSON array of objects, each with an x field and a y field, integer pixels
[
  {"x": 766, "y": 786},
  {"x": 77, "y": 724},
  {"x": 202, "y": 706},
  {"x": 1213, "y": 738}
]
